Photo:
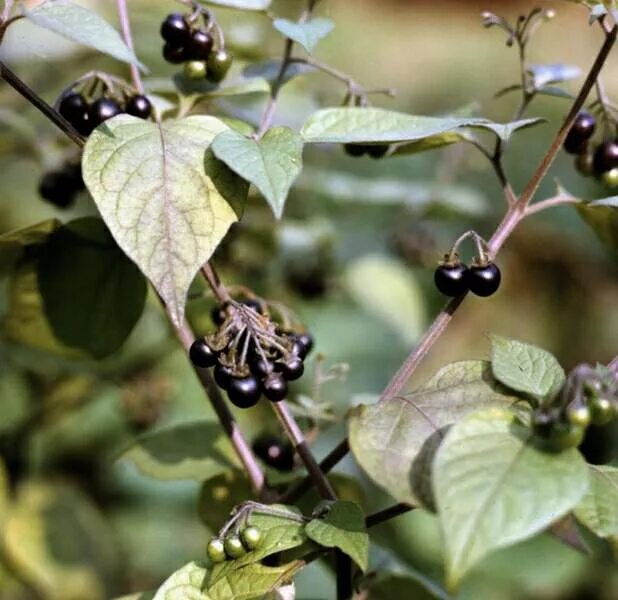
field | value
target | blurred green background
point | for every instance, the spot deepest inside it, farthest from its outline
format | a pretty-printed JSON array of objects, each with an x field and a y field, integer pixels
[{"x": 354, "y": 256}]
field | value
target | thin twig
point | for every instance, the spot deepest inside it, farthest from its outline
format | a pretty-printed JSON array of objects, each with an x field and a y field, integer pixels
[
  {"x": 559, "y": 200},
  {"x": 387, "y": 514},
  {"x": 125, "y": 27},
  {"x": 220, "y": 292}
]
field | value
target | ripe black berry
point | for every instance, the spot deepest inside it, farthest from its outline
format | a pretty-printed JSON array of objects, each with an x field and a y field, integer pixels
[
  {"x": 261, "y": 367},
  {"x": 74, "y": 108},
  {"x": 222, "y": 376},
  {"x": 303, "y": 344},
  {"x": 175, "y": 30},
  {"x": 199, "y": 45},
  {"x": 355, "y": 149},
  {"x": 139, "y": 106},
  {"x": 275, "y": 387},
  {"x": 580, "y": 133},
  {"x": 202, "y": 355},
  {"x": 243, "y": 392},
  {"x": 174, "y": 54},
  {"x": 292, "y": 369},
  {"x": 58, "y": 187},
  {"x": 219, "y": 63},
  {"x": 606, "y": 157},
  {"x": 377, "y": 150},
  {"x": 103, "y": 109},
  {"x": 484, "y": 280},
  {"x": 276, "y": 453},
  {"x": 451, "y": 280}
]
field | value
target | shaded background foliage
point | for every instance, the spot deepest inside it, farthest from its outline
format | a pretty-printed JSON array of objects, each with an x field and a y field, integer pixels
[{"x": 89, "y": 521}]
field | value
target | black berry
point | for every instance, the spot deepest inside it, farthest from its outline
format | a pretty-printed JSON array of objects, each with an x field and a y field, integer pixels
[
  {"x": 304, "y": 342},
  {"x": 102, "y": 110},
  {"x": 74, "y": 108},
  {"x": 292, "y": 369},
  {"x": 199, "y": 45},
  {"x": 261, "y": 367},
  {"x": 584, "y": 163},
  {"x": 275, "y": 387},
  {"x": 606, "y": 157},
  {"x": 175, "y": 30},
  {"x": 139, "y": 106},
  {"x": 174, "y": 54},
  {"x": 222, "y": 376},
  {"x": 355, "y": 149},
  {"x": 377, "y": 150},
  {"x": 243, "y": 392},
  {"x": 58, "y": 188},
  {"x": 580, "y": 133},
  {"x": 255, "y": 305},
  {"x": 219, "y": 63},
  {"x": 451, "y": 280},
  {"x": 276, "y": 453},
  {"x": 484, "y": 280},
  {"x": 202, "y": 355}
]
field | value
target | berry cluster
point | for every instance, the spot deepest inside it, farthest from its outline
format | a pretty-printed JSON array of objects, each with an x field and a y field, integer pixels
[
  {"x": 61, "y": 186},
  {"x": 250, "y": 354},
  {"x": 86, "y": 116},
  {"x": 275, "y": 452},
  {"x": 373, "y": 150},
  {"x": 595, "y": 403},
  {"x": 194, "y": 46},
  {"x": 602, "y": 161},
  {"x": 234, "y": 545},
  {"x": 454, "y": 278}
]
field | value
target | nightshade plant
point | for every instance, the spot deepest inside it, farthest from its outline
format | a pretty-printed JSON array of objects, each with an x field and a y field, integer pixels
[{"x": 490, "y": 447}]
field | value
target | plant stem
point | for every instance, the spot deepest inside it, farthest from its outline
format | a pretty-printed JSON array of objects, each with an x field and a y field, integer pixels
[
  {"x": 214, "y": 282},
  {"x": 49, "y": 111},
  {"x": 559, "y": 200},
  {"x": 125, "y": 27},
  {"x": 387, "y": 513}
]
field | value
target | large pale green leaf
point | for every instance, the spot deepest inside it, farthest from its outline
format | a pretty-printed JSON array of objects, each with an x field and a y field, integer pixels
[
  {"x": 195, "y": 450},
  {"x": 240, "y": 4},
  {"x": 343, "y": 527},
  {"x": 166, "y": 200},
  {"x": 271, "y": 164},
  {"x": 543, "y": 75},
  {"x": 13, "y": 243},
  {"x": 493, "y": 488},
  {"x": 526, "y": 368},
  {"x": 602, "y": 216},
  {"x": 599, "y": 508},
  {"x": 307, "y": 34},
  {"x": 83, "y": 26},
  {"x": 394, "y": 440},
  {"x": 398, "y": 300},
  {"x": 93, "y": 295},
  {"x": 377, "y": 125},
  {"x": 185, "y": 584}
]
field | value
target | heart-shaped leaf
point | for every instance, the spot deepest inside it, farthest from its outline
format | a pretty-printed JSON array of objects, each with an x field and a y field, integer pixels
[
  {"x": 394, "y": 440},
  {"x": 307, "y": 34},
  {"x": 83, "y": 26},
  {"x": 166, "y": 200},
  {"x": 602, "y": 216},
  {"x": 271, "y": 164},
  {"x": 241, "y": 4},
  {"x": 493, "y": 488},
  {"x": 526, "y": 368},
  {"x": 599, "y": 508}
]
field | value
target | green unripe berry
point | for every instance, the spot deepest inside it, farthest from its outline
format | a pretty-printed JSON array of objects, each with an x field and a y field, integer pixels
[
  {"x": 251, "y": 537},
  {"x": 195, "y": 69},
  {"x": 602, "y": 411},
  {"x": 233, "y": 546},
  {"x": 564, "y": 436},
  {"x": 218, "y": 65},
  {"x": 610, "y": 178},
  {"x": 216, "y": 550},
  {"x": 578, "y": 415}
]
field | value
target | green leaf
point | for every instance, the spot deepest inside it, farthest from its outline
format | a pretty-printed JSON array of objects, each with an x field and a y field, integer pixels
[
  {"x": 83, "y": 26},
  {"x": 526, "y": 368},
  {"x": 543, "y": 75},
  {"x": 240, "y": 4},
  {"x": 394, "y": 440},
  {"x": 398, "y": 300},
  {"x": 343, "y": 527},
  {"x": 93, "y": 295},
  {"x": 307, "y": 34},
  {"x": 195, "y": 450},
  {"x": 271, "y": 163},
  {"x": 602, "y": 216},
  {"x": 138, "y": 596},
  {"x": 204, "y": 90},
  {"x": 598, "y": 510},
  {"x": 185, "y": 584},
  {"x": 166, "y": 200},
  {"x": 13, "y": 243},
  {"x": 377, "y": 125},
  {"x": 278, "y": 534},
  {"x": 493, "y": 488}
]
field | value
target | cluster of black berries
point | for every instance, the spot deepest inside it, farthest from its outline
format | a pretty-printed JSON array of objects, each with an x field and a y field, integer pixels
[
  {"x": 87, "y": 116},
  {"x": 275, "y": 452},
  {"x": 194, "y": 47},
  {"x": 602, "y": 161},
  {"x": 250, "y": 354},
  {"x": 454, "y": 278},
  {"x": 60, "y": 187},
  {"x": 595, "y": 403},
  {"x": 372, "y": 150},
  {"x": 234, "y": 545}
]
